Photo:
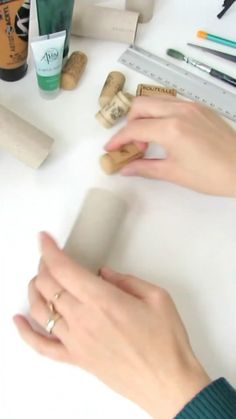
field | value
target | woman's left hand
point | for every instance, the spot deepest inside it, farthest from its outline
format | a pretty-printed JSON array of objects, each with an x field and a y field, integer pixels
[{"x": 120, "y": 328}]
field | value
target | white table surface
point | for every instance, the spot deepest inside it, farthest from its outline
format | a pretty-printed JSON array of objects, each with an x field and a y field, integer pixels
[{"x": 182, "y": 240}]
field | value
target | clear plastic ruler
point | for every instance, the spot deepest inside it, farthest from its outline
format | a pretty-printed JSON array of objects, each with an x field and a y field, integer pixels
[{"x": 186, "y": 83}]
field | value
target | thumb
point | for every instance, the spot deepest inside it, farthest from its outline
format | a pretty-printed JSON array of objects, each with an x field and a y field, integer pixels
[
  {"x": 151, "y": 168},
  {"x": 128, "y": 283}
]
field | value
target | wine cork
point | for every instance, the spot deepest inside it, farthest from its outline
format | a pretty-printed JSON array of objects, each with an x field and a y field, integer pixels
[
  {"x": 24, "y": 141},
  {"x": 104, "y": 23},
  {"x": 114, "y": 83},
  {"x": 129, "y": 96},
  {"x": 114, "y": 160},
  {"x": 145, "y": 9},
  {"x": 96, "y": 229},
  {"x": 116, "y": 109},
  {"x": 73, "y": 70},
  {"x": 152, "y": 90}
]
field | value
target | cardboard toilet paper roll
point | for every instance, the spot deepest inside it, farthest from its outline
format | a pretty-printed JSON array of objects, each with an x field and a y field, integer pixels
[
  {"x": 96, "y": 228},
  {"x": 144, "y": 7},
  {"x": 104, "y": 23},
  {"x": 24, "y": 141}
]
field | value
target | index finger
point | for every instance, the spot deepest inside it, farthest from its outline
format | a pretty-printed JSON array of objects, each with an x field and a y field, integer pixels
[
  {"x": 142, "y": 131},
  {"x": 160, "y": 106},
  {"x": 72, "y": 277}
]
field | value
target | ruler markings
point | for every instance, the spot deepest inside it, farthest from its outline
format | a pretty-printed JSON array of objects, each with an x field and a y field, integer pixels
[{"x": 185, "y": 82}]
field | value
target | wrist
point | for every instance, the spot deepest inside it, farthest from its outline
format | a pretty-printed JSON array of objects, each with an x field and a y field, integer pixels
[{"x": 167, "y": 399}]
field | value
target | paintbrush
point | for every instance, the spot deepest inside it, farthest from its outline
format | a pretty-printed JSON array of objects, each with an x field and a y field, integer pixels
[
  {"x": 201, "y": 66},
  {"x": 221, "y": 54}
]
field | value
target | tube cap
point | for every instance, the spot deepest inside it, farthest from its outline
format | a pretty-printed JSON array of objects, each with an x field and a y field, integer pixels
[{"x": 13, "y": 74}]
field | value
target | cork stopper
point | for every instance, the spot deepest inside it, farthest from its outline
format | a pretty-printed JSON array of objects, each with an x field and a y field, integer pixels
[
  {"x": 113, "y": 161},
  {"x": 153, "y": 90},
  {"x": 116, "y": 109},
  {"x": 114, "y": 83},
  {"x": 73, "y": 70}
]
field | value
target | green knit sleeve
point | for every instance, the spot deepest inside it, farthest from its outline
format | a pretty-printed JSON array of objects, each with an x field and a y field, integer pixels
[{"x": 216, "y": 401}]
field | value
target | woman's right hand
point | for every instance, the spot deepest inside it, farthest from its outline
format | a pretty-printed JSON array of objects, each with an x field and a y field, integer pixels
[{"x": 200, "y": 146}]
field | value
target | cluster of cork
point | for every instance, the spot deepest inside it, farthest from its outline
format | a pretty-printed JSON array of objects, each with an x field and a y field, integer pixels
[{"x": 115, "y": 104}]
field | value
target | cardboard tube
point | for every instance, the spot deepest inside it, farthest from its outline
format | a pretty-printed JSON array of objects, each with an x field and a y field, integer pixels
[
  {"x": 24, "y": 141},
  {"x": 144, "y": 7},
  {"x": 104, "y": 23},
  {"x": 96, "y": 229}
]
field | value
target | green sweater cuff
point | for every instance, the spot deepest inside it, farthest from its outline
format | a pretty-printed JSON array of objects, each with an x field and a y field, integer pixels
[{"x": 216, "y": 401}]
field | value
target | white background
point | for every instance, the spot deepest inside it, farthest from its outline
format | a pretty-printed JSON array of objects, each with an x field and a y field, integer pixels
[{"x": 174, "y": 237}]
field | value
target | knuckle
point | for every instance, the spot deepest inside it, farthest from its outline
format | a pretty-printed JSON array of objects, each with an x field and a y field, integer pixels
[
  {"x": 159, "y": 297},
  {"x": 189, "y": 108},
  {"x": 37, "y": 282},
  {"x": 176, "y": 125}
]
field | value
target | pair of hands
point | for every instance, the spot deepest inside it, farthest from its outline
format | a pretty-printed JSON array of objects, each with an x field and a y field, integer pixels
[{"x": 122, "y": 329}]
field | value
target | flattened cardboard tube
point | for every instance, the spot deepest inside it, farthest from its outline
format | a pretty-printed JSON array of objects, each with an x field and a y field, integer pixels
[
  {"x": 104, "y": 23},
  {"x": 144, "y": 7},
  {"x": 96, "y": 229},
  {"x": 24, "y": 141}
]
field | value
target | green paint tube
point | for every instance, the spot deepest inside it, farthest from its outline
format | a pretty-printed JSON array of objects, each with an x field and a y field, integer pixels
[{"x": 55, "y": 16}]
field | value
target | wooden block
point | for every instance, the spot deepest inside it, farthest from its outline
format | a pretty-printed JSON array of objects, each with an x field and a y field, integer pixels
[
  {"x": 114, "y": 160},
  {"x": 152, "y": 90}
]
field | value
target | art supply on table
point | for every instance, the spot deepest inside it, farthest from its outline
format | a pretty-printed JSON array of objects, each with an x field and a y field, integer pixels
[
  {"x": 113, "y": 111},
  {"x": 14, "y": 28},
  {"x": 201, "y": 66},
  {"x": 73, "y": 70},
  {"x": 113, "y": 161},
  {"x": 221, "y": 54},
  {"x": 226, "y": 6},
  {"x": 24, "y": 141},
  {"x": 104, "y": 23},
  {"x": 114, "y": 83},
  {"x": 151, "y": 90},
  {"x": 186, "y": 83},
  {"x": 55, "y": 16},
  {"x": 217, "y": 39},
  {"x": 145, "y": 8},
  {"x": 96, "y": 229},
  {"x": 48, "y": 57}
]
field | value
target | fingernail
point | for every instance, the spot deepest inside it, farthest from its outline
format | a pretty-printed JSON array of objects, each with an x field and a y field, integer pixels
[
  {"x": 106, "y": 271},
  {"x": 15, "y": 319},
  {"x": 41, "y": 236}
]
